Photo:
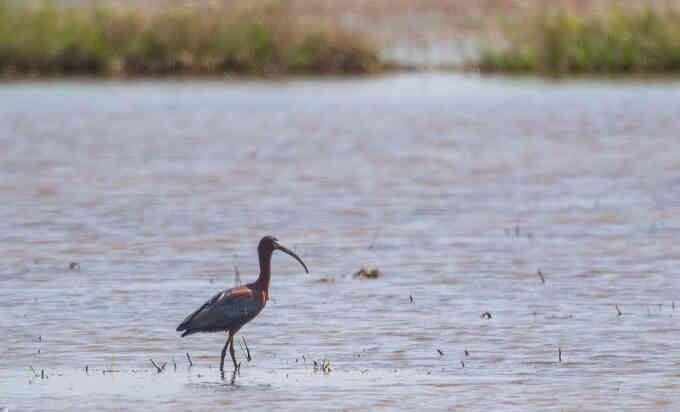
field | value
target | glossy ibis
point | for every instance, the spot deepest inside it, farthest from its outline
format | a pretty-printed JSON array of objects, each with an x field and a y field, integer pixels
[{"x": 231, "y": 309}]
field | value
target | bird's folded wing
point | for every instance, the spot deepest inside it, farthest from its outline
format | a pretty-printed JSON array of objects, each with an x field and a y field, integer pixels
[{"x": 224, "y": 311}]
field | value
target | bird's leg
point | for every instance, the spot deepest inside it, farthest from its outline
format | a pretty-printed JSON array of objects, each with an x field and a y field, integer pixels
[
  {"x": 224, "y": 352},
  {"x": 231, "y": 352}
]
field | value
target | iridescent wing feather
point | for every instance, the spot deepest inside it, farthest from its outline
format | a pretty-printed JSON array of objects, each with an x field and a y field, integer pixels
[{"x": 226, "y": 310}]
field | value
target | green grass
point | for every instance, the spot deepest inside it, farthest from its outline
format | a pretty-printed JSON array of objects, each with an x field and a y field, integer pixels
[
  {"x": 43, "y": 38},
  {"x": 616, "y": 41}
]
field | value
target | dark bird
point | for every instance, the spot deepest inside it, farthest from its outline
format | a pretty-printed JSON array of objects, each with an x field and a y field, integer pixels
[{"x": 231, "y": 309}]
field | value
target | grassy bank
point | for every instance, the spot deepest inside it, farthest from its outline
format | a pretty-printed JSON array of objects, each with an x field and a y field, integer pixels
[
  {"x": 45, "y": 38},
  {"x": 616, "y": 41}
]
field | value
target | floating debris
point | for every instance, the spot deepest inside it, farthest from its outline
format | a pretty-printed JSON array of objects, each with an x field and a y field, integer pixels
[
  {"x": 324, "y": 366},
  {"x": 462, "y": 364},
  {"x": 329, "y": 279},
  {"x": 540, "y": 275},
  {"x": 189, "y": 359},
  {"x": 367, "y": 272},
  {"x": 485, "y": 315},
  {"x": 618, "y": 310},
  {"x": 467, "y": 353},
  {"x": 440, "y": 352},
  {"x": 559, "y": 354},
  {"x": 74, "y": 266},
  {"x": 410, "y": 298},
  {"x": 569, "y": 316}
]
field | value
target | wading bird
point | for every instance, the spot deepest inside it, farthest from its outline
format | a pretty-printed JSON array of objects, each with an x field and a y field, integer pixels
[{"x": 231, "y": 309}]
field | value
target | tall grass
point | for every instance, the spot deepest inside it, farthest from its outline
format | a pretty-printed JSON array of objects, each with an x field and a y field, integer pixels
[
  {"x": 616, "y": 41},
  {"x": 44, "y": 38}
]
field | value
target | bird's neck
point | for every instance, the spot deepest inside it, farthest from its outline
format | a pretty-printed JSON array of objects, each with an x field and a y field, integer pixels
[{"x": 265, "y": 272}]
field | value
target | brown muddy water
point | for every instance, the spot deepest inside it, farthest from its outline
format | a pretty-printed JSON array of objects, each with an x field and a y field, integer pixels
[{"x": 458, "y": 188}]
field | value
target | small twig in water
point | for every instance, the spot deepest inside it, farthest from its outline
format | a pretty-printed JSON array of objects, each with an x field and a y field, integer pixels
[
  {"x": 34, "y": 372},
  {"x": 243, "y": 338},
  {"x": 440, "y": 352},
  {"x": 375, "y": 236},
  {"x": 559, "y": 354},
  {"x": 189, "y": 359},
  {"x": 462, "y": 364},
  {"x": 410, "y": 298},
  {"x": 618, "y": 310},
  {"x": 174, "y": 363},
  {"x": 540, "y": 275},
  {"x": 237, "y": 276},
  {"x": 159, "y": 368}
]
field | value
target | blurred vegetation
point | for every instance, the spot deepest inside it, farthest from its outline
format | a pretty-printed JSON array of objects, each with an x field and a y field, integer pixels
[
  {"x": 45, "y": 38},
  {"x": 617, "y": 41}
]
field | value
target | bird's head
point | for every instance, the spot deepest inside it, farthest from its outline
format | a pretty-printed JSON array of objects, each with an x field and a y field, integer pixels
[{"x": 269, "y": 244}]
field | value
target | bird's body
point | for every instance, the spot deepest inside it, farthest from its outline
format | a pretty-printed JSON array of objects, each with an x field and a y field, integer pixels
[
  {"x": 234, "y": 307},
  {"x": 231, "y": 309}
]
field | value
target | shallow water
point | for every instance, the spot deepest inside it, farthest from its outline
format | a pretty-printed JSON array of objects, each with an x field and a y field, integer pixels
[{"x": 458, "y": 188}]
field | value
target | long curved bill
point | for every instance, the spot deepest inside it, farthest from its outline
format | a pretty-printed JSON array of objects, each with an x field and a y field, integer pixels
[{"x": 290, "y": 252}]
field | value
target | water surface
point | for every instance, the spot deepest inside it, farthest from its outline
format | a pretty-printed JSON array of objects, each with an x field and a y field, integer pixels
[{"x": 458, "y": 188}]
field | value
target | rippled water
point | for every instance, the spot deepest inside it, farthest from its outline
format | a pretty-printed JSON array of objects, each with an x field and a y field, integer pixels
[{"x": 458, "y": 188}]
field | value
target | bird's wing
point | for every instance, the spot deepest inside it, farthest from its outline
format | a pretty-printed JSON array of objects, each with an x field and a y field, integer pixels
[{"x": 227, "y": 309}]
